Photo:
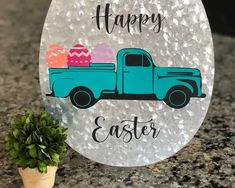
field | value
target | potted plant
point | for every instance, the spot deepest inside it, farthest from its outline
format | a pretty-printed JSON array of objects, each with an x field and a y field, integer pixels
[{"x": 35, "y": 144}]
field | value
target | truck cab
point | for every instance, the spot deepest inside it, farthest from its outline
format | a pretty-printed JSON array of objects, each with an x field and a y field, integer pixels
[{"x": 135, "y": 72}]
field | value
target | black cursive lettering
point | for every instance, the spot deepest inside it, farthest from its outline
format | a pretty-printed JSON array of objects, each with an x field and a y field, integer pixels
[
  {"x": 127, "y": 130},
  {"x": 127, "y": 21}
]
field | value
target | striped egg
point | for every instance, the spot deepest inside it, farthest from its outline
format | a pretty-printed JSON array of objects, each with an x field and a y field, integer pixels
[
  {"x": 56, "y": 56},
  {"x": 79, "y": 56}
]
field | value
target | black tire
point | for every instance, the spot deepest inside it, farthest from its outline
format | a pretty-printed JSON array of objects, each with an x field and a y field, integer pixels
[
  {"x": 178, "y": 97},
  {"x": 82, "y": 98}
]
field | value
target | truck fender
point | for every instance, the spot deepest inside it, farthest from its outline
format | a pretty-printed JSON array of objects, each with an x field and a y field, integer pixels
[
  {"x": 164, "y": 85},
  {"x": 63, "y": 87}
]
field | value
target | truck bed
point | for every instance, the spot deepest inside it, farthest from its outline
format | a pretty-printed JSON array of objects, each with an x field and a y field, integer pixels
[
  {"x": 93, "y": 66},
  {"x": 98, "y": 77}
]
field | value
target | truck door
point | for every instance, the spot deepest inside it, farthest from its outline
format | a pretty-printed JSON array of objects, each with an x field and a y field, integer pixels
[{"x": 137, "y": 74}]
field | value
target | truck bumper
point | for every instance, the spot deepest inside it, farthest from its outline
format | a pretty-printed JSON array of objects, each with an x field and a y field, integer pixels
[
  {"x": 202, "y": 96},
  {"x": 51, "y": 95}
]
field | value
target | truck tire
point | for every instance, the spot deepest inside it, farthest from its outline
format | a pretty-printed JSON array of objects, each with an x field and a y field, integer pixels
[
  {"x": 82, "y": 98},
  {"x": 178, "y": 97}
]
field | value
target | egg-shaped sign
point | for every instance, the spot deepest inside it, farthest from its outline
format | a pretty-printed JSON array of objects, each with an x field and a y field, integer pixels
[{"x": 131, "y": 80}]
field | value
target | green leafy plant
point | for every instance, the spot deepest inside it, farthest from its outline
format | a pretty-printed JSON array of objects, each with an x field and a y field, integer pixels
[{"x": 36, "y": 141}]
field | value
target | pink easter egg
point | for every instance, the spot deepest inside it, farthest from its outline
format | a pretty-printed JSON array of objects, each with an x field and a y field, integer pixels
[
  {"x": 102, "y": 53},
  {"x": 56, "y": 56},
  {"x": 79, "y": 56}
]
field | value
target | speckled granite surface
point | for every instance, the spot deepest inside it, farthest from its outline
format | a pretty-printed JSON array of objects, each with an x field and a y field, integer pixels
[{"x": 207, "y": 161}]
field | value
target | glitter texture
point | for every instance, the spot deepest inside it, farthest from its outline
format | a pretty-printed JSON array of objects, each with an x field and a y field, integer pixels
[{"x": 184, "y": 41}]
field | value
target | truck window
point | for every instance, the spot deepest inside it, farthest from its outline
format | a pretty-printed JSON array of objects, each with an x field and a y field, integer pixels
[
  {"x": 146, "y": 62},
  {"x": 134, "y": 60}
]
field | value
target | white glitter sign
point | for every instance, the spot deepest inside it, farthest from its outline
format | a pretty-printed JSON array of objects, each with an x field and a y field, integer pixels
[{"x": 131, "y": 80}]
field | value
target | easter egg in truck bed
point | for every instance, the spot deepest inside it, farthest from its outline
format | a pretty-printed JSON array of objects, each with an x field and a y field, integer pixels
[
  {"x": 102, "y": 53},
  {"x": 56, "y": 56},
  {"x": 79, "y": 56}
]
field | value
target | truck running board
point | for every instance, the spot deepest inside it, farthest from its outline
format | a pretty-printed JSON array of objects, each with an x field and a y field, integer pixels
[{"x": 129, "y": 96}]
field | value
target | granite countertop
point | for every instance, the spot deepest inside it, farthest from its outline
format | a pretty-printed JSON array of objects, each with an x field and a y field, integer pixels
[{"x": 207, "y": 161}]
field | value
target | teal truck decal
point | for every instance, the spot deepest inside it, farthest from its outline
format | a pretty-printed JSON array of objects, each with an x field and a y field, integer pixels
[{"x": 135, "y": 78}]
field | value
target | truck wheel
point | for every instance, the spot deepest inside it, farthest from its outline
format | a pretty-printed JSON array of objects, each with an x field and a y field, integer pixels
[
  {"x": 82, "y": 98},
  {"x": 178, "y": 97}
]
